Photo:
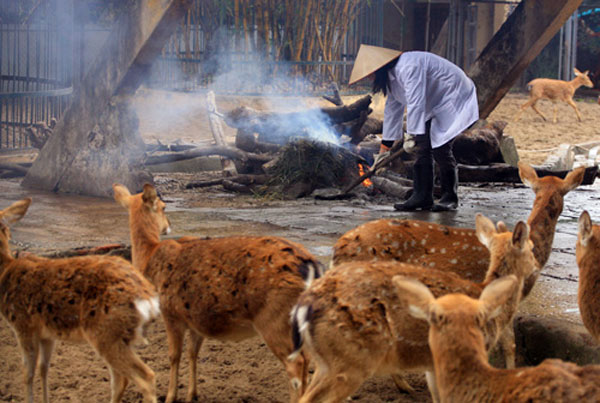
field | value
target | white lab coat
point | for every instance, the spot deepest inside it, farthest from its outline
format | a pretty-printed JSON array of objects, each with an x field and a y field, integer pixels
[{"x": 430, "y": 87}]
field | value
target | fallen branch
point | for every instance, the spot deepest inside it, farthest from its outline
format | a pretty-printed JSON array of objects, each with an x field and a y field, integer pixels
[{"x": 224, "y": 151}]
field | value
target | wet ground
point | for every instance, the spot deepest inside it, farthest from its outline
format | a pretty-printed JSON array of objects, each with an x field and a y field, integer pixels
[{"x": 57, "y": 222}]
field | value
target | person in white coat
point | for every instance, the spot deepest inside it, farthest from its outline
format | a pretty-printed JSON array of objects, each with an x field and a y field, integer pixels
[{"x": 440, "y": 102}]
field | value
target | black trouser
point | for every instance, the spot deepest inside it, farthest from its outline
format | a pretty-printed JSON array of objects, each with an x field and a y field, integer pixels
[{"x": 443, "y": 155}]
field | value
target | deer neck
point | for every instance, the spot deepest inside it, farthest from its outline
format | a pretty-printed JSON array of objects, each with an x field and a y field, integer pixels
[
  {"x": 542, "y": 223},
  {"x": 145, "y": 239},
  {"x": 576, "y": 82},
  {"x": 461, "y": 366},
  {"x": 5, "y": 255}
]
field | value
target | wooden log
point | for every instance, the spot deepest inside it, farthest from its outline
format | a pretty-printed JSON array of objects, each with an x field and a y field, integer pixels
[
  {"x": 335, "y": 98},
  {"x": 391, "y": 188},
  {"x": 236, "y": 187},
  {"x": 15, "y": 169},
  {"x": 229, "y": 152},
  {"x": 510, "y": 174},
  {"x": 279, "y": 127}
]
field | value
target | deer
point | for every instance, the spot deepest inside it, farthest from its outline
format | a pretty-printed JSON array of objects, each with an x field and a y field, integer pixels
[
  {"x": 229, "y": 288},
  {"x": 456, "y": 249},
  {"x": 587, "y": 255},
  {"x": 353, "y": 324},
  {"x": 101, "y": 300},
  {"x": 555, "y": 90},
  {"x": 457, "y": 340}
]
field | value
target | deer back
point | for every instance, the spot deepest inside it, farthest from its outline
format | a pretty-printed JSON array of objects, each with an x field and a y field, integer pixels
[
  {"x": 223, "y": 284},
  {"x": 416, "y": 242},
  {"x": 67, "y": 298}
]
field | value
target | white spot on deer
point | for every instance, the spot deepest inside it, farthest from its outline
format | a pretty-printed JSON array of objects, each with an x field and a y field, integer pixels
[
  {"x": 453, "y": 261},
  {"x": 378, "y": 236},
  {"x": 358, "y": 250},
  {"x": 147, "y": 308},
  {"x": 432, "y": 250},
  {"x": 455, "y": 232},
  {"x": 430, "y": 226},
  {"x": 465, "y": 246},
  {"x": 405, "y": 245},
  {"x": 455, "y": 243},
  {"x": 423, "y": 242},
  {"x": 395, "y": 244},
  {"x": 413, "y": 242},
  {"x": 416, "y": 224},
  {"x": 443, "y": 250},
  {"x": 432, "y": 264},
  {"x": 296, "y": 383}
]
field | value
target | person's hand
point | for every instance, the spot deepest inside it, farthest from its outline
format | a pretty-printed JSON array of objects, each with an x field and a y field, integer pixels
[{"x": 409, "y": 143}]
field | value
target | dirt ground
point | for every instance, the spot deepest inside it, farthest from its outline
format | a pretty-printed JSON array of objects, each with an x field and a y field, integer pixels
[{"x": 247, "y": 371}]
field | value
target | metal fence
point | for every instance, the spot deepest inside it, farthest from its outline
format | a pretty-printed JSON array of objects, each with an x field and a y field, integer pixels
[{"x": 35, "y": 67}]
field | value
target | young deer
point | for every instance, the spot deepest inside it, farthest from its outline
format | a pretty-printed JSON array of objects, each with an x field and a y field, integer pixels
[
  {"x": 555, "y": 90},
  {"x": 354, "y": 325},
  {"x": 457, "y": 249},
  {"x": 101, "y": 300},
  {"x": 588, "y": 260},
  {"x": 457, "y": 339},
  {"x": 226, "y": 288}
]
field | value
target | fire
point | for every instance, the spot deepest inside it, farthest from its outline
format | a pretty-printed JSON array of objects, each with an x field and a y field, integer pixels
[{"x": 361, "y": 171}]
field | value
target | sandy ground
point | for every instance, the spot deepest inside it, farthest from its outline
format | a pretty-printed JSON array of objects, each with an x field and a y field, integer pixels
[{"x": 247, "y": 372}]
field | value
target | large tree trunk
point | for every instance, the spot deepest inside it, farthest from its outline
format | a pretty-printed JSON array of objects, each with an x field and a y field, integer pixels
[
  {"x": 96, "y": 142},
  {"x": 520, "y": 39}
]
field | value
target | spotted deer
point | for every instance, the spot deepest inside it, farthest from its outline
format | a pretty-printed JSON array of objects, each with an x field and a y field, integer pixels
[
  {"x": 458, "y": 342},
  {"x": 588, "y": 259},
  {"x": 100, "y": 300},
  {"x": 555, "y": 90},
  {"x": 452, "y": 248},
  {"x": 227, "y": 288},
  {"x": 354, "y": 324}
]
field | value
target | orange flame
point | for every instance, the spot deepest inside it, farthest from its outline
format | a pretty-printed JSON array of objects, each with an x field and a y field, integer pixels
[{"x": 361, "y": 171}]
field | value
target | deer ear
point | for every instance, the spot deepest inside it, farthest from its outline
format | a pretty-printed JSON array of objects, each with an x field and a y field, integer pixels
[
  {"x": 577, "y": 72},
  {"x": 528, "y": 175},
  {"x": 585, "y": 228},
  {"x": 149, "y": 195},
  {"x": 122, "y": 195},
  {"x": 520, "y": 235},
  {"x": 15, "y": 211},
  {"x": 416, "y": 294},
  {"x": 484, "y": 228},
  {"x": 496, "y": 294},
  {"x": 501, "y": 227},
  {"x": 572, "y": 180}
]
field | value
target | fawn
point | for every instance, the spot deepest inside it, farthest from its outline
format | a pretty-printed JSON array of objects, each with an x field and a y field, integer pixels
[
  {"x": 225, "y": 288},
  {"x": 457, "y": 339},
  {"x": 354, "y": 325},
  {"x": 588, "y": 260},
  {"x": 101, "y": 300},
  {"x": 555, "y": 90},
  {"x": 457, "y": 249}
]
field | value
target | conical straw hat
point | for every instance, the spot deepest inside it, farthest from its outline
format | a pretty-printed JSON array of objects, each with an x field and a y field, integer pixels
[{"x": 369, "y": 59}]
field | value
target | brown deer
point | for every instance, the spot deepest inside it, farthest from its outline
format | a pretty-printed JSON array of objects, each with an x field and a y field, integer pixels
[
  {"x": 225, "y": 288},
  {"x": 458, "y": 342},
  {"x": 100, "y": 300},
  {"x": 452, "y": 248},
  {"x": 354, "y": 325},
  {"x": 588, "y": 260},
  {"x": 555, "y": 90}
]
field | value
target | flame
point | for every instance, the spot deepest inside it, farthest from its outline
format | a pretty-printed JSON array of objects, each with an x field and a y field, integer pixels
[{"x": 361, "y": 171}]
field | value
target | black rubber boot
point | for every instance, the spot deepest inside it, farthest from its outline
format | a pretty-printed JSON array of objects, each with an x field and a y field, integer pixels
[
  {"x": 449, "y": 184},
  {"x": 422, "y": 195}
]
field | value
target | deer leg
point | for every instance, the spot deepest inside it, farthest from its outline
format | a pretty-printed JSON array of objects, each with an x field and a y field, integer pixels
[
  {"x": 507, "y": 342},
  {"x": 124, "y": 362},
  {"x": 47, "y": 346},
  {"x": 526, "y": 105},
  {"x": 175, "y": 333},
  {"x": 193, "y": 349},
  {"x": 432, "y": 385},
  {"x": 534, "y": 107},
  {"x": 30, "y": 349},
  {"x": 574, "y": 106},
  {"x": 118, "y": 383}
]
